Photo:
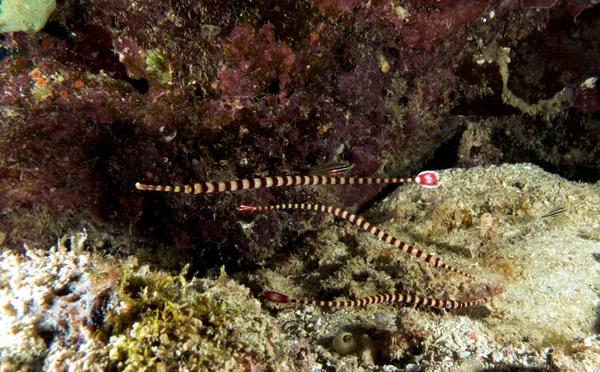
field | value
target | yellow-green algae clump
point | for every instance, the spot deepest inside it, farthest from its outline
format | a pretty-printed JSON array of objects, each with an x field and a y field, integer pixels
[
  {"x": 203, "y": 323},
  {"x": 95, "y": 313}
]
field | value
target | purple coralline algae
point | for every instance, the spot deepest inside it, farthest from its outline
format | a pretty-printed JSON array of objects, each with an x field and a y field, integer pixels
[{"x": 110, "y": 93}]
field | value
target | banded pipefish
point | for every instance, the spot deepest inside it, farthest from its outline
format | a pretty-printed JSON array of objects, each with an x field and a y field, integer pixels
[
  {"x": 329, "y": 175},
  {"x": 428, "y": 179},
  {"x": 282, "y": 298},
  {"x": 363, "y": 224}
]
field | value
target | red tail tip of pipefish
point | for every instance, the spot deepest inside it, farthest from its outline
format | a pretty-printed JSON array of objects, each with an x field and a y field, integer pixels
[
  {"x": 428, "y": 179},
  {"x": 278, "y": 297}
]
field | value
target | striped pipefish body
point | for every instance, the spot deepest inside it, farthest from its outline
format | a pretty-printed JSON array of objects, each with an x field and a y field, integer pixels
[
  {"x": 427, "y": 179},
  {"x": 282, "y": 298},
  {"x": 363, "y": 224}
]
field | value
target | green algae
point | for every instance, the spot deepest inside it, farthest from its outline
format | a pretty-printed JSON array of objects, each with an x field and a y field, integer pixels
[{"x": 202, "y": 324}]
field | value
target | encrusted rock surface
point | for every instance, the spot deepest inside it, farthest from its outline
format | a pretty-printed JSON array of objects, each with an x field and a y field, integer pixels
[{"x": 67, "y": 304}]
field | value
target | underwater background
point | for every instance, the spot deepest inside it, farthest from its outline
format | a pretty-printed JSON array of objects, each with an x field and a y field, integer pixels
[{"x": 499, "y": 96}]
